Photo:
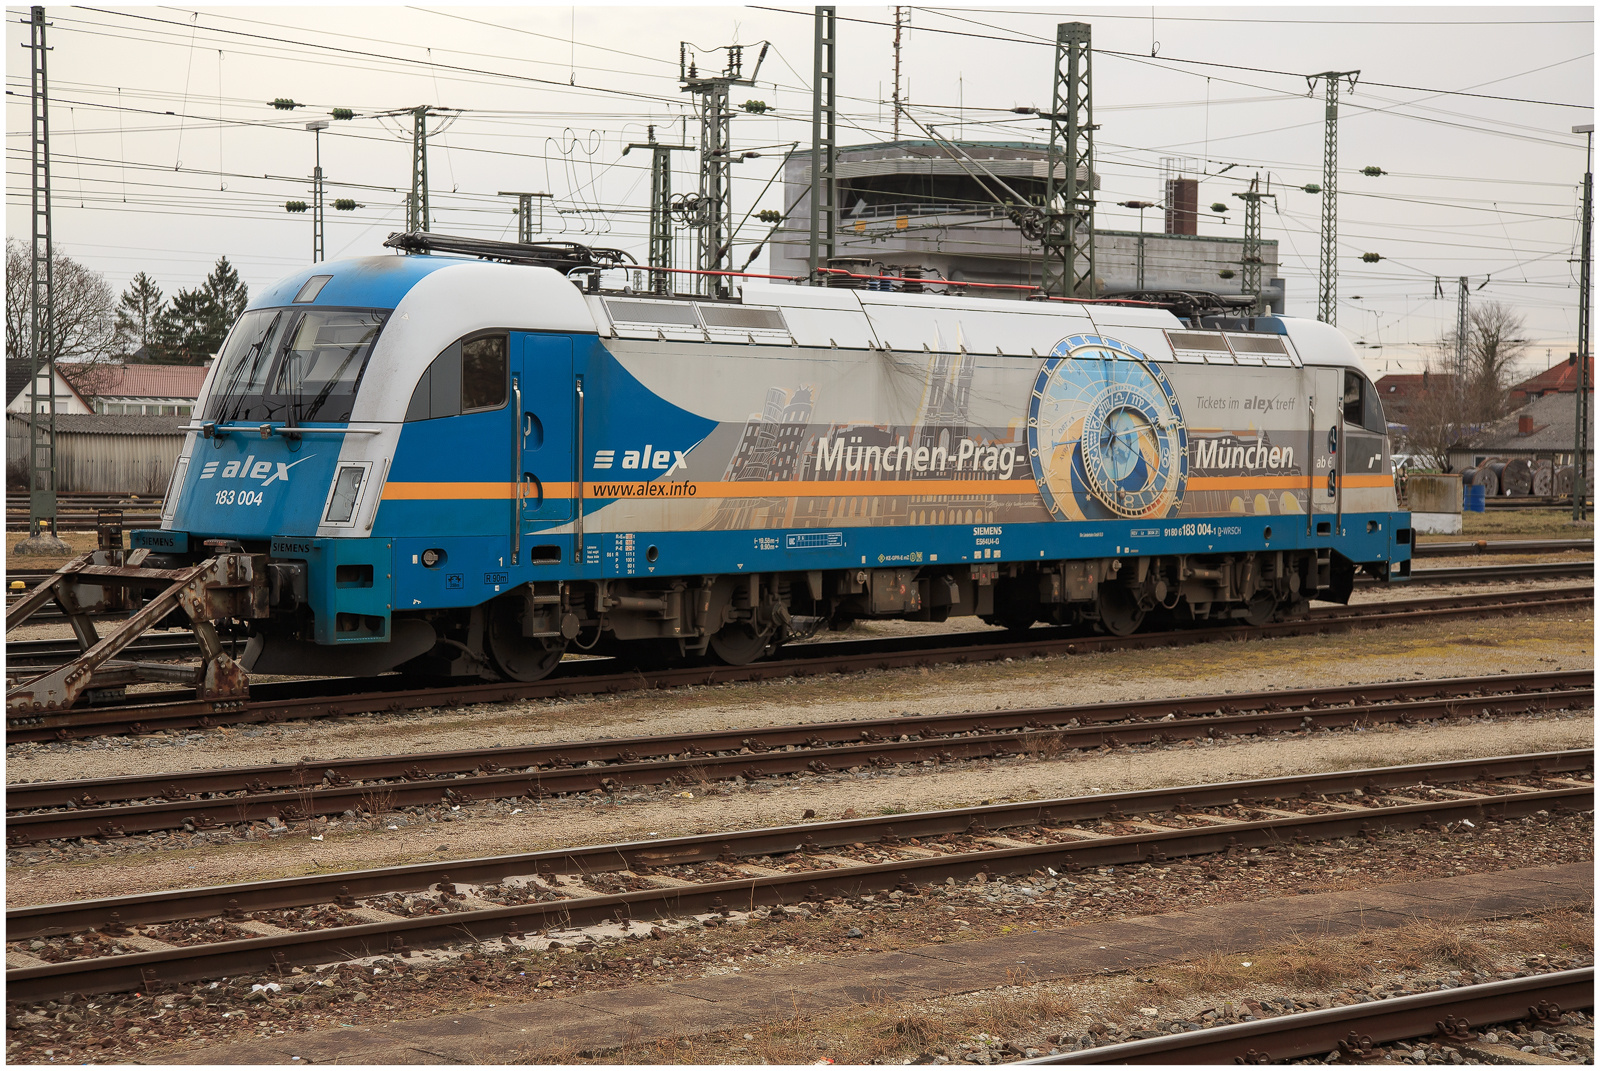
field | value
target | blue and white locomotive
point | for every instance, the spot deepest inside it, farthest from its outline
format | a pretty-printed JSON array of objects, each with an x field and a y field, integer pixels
[{"x": 467, "y": 466}]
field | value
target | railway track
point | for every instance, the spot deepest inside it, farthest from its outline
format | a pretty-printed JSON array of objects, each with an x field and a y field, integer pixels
[
  {"x": 325, "y": 697},
  {"x": 561, "y": 892},
  {"x": 1500, "y": 546},
  {"x": 1355, "y": 1032},
  {"x": 52, "y": 652},
  {"x": 1489, "y": 574},
  {"x": 211, "y": 799}
]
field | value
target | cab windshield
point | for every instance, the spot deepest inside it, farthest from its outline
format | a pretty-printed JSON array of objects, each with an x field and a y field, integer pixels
[{"x": 293, "y": 365}]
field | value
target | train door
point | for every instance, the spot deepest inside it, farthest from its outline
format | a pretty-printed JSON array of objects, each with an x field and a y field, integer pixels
[
  {"x": 1325, "y": 391},
  {"x": 543, "y": 392}
]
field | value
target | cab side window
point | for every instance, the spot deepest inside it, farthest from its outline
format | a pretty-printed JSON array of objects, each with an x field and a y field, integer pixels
[
  {"x": 468, "y": 375},
  {"x": 484, "y": 368},
  {"x": 1361, "y": 405}
]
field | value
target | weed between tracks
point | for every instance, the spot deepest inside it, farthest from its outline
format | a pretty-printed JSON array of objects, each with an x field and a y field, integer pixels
[{"x": 1024, "y": 1018}]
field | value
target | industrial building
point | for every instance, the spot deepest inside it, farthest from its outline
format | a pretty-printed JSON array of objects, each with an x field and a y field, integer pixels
[{"x": 916, "y": 208}]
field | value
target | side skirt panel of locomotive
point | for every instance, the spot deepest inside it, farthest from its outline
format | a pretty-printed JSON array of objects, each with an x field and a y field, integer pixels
[{"x": 523, "y": 470}]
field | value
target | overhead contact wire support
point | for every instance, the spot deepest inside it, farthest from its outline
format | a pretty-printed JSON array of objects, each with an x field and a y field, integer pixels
[
  {"x": 41, "y": 300},
  {"x": 824, "y": 188},
  {"x": 1068, "y": 257},
  {"x": 417, "y": 205},
  {"x": 1327, "y": 263}
]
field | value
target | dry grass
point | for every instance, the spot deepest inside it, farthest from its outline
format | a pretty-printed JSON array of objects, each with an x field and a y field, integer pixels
[
  {"x": 1518, "y": 524},
  {"x": 1028, "y": 1013}
]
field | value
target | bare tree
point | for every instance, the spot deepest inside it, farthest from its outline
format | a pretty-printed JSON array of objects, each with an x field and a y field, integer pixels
[
  {"x": 1450, "y": 413},
  {"x": 84, "y": 323}
]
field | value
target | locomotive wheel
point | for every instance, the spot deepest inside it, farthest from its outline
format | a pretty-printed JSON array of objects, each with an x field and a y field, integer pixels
[
  {"x": 515, "y": 656},
  {"x": 739, "y": 644},
  {"x": 1120, "y": 612},
  {"x": 1260, "y": 608}
]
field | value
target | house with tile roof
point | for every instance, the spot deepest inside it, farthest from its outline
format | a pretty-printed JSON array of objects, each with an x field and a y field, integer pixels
[
  {"x": 1557, "y": 379},
  {"x": 19, "y": 390},
  {"x": 148, "y": 389},
  {"x": 1545, "y": 429}
]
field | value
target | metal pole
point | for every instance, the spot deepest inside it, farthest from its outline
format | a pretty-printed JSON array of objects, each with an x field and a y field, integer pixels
[
  {"x": 42, "y": 341},
  {"x": 660, "y": 206},
  {"x": 824, "y": 189},
  {"x": 1327, "y": 263},
  {"x": 1068, "y": 253},
  {"x": 1580, "y": 456},
  {"x": 900, "y": 19},
  {"x": 417, "y": 207},
  {"x": 1250, "y": 260},
  {"x": 318, "y": 228}
]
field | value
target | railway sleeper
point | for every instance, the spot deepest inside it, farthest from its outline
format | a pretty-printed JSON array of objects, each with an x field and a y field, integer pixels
[{"x": 854, "y": 879}]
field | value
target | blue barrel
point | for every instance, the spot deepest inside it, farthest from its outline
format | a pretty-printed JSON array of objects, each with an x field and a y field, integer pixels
[{"x": 1472, "y": 497}]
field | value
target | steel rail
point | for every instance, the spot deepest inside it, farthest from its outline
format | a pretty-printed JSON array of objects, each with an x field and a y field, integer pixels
[
  {"x": 25, "y": 795},
  {"x": 1289, "y": 1037},
  {"x": 279, "y": 952},
  {"x": 31, "y": 654},
  {"x": 145, "y": 908},
  {"x": 1488, "y": 574},
  {"x": 553, "y": 769},
  {"x": 1463, "y": 547},
  {"x": 342, "y": 696}
]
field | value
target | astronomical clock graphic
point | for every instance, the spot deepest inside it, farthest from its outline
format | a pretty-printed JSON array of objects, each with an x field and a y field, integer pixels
[{"x": 1105, "y": 435}]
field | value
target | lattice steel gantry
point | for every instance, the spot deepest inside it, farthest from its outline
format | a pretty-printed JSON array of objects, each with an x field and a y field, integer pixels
[
  {"x": 1250, "y": 258},
  {"x": 41, "y": 321},
  {"x": 660, "y": 206},
  {"x": 713, "y": 215},
  {"x": 1327, "y": 263},
  {"x": 824, "y": 186},
  {"x": 1068, "y": 239}
]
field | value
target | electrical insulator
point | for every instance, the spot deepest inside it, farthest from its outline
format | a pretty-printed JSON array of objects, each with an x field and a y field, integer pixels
[
  {"x": 1226, "y": 273},
  {"x": 295, "y": 206},
  {"x": 1218, "y": 206},
  {"x": 1312, "y": 187},
  {"x": 344, "y": 204},
  {"x": 755, "y": 107},
  {"x": 1373, "y": 172},
  {"x": 284, "y": 104},
  {"x": 1371, "y": 258},
  {"x": 343, "y": 113},
  {"x": 770, "y": 215}
]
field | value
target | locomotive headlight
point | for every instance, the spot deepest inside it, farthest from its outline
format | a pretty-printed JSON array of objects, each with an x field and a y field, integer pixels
[{"x": 346, "y": 494}]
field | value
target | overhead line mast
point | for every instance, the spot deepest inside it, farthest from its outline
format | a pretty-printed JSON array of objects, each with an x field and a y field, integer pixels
[
  {"x": 1327, "y": 263},
  {"x": 1068, "y": 262},
  {"x": 42, "y": 308},
  {"x": 1250, "y": 258},
  {"x": 660, "y": 206},
  {"x": 902, "y": 18},
  {"x": 1580, "y": 455},
  {"x": 714, "y": 217},
  {"x": 824, "y": 187}
]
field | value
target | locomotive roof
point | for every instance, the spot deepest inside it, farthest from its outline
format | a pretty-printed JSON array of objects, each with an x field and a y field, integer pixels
[{"x": 796, "y": 315}]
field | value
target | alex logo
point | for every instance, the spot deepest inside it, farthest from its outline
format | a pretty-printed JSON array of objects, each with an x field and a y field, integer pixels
[
  {"x": 268, "y": 472},
  {"x": 668, "y": 461}
]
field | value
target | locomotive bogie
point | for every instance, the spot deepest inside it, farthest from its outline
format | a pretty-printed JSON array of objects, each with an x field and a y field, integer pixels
[{"x": 464, "y": 468}]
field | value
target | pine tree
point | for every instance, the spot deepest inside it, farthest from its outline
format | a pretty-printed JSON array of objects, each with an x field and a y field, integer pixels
[
  {"x": 193, "y": 328},
  {"x": 138, "y": 314}
]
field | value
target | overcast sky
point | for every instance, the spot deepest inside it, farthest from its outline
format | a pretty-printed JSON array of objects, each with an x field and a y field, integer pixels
[{"x": 167, "y": 154}]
